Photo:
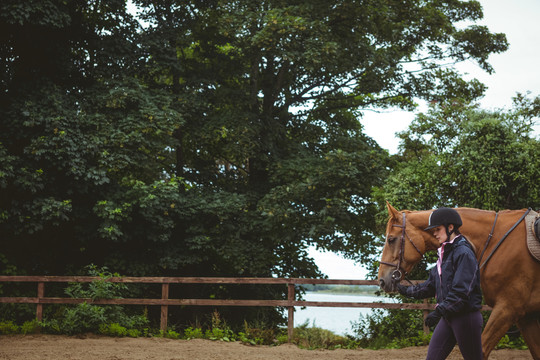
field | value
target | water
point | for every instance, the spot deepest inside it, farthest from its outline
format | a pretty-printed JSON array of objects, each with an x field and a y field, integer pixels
[{"x": 336, "y": 319}]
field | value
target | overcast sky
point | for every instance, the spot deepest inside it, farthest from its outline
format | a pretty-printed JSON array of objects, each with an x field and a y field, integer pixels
[{"x": 516, "y": 70}]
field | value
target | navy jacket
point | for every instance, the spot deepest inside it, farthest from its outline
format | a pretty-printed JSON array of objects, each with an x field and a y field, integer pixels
[{"x": 457, "y": 290}]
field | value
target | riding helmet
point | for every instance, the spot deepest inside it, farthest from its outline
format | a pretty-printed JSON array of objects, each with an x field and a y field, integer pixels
[{"x": 444, "y": 216}]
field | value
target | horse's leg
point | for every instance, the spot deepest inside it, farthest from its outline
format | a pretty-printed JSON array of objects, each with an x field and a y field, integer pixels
[
  {"x": 530, "y": 329},
  {"x": 499, "y": 322}
]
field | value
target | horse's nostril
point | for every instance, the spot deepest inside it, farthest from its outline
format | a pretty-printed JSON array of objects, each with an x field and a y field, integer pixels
[{"x": 381, "y": 283}]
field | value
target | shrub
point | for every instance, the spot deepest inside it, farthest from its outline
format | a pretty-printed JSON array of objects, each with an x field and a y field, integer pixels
[
  {"x": 512, "y": 341},
  {"x": 257, "y": 336},
  {"x": 8, "y": 328},
  {"x": 30, "y": 327},
  {"x": 389, "y": 328},
  {"x": 314, "y": 337},
  {"x": 83, "y": 318},
  {"x": 86, "y": 317},
  {"x": 113, "y": 329},
  {"x": 134, "y": 333},
  {"x": 171, "y": 334},
  {"x": 193, "y": 333}
]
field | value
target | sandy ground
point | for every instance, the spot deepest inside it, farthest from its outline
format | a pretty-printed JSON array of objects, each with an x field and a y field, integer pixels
[{"x": 45, "y": 347}]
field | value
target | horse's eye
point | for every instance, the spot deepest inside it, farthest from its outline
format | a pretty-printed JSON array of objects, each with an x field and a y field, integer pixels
[{"x": 391, "y": 239}]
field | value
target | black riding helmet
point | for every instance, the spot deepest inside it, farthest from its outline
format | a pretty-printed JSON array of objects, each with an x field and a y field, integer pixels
[{"x": 444, "y": 216}]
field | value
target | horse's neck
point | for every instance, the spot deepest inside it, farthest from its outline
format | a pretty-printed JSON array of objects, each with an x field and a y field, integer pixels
[{"x": 432, "y": 243}]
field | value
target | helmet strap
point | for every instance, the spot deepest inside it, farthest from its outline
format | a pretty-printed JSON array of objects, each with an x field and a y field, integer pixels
[{"x": 448, "y": 232}]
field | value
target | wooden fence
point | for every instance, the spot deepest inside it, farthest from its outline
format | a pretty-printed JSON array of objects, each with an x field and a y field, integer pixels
[{"x": 165, "y": 302}]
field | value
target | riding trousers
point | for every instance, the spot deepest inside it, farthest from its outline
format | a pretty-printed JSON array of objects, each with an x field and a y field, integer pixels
[{"x": 463, "y": 329}]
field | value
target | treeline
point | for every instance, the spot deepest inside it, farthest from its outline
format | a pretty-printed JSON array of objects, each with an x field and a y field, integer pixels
[{"x": 189, "y": 138}]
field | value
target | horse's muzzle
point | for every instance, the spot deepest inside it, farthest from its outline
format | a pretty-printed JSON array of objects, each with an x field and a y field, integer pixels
[
  {"x": 386, "y": 286},
  {"x": 388, "y": 282}
]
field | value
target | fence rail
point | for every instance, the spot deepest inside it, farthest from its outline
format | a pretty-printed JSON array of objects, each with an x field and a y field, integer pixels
[{"x": 40, "y": 299}]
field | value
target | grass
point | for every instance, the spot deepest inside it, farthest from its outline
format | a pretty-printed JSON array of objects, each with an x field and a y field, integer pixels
[{"x": 303, "y": 336}]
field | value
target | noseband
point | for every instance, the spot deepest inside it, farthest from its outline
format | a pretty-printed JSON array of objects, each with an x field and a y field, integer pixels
[{"x": 398, "y": 274}]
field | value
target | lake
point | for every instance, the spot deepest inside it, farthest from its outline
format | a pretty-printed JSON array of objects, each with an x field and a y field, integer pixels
[{"x": 337, "y": 320}]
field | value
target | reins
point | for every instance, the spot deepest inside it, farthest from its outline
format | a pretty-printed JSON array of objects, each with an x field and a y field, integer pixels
[
  {"x": 502, "y": 239},
  {"x": 398, "y": 274}
]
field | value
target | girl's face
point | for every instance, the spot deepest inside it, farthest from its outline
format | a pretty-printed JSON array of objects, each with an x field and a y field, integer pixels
[{"x": 440, "y": 233}]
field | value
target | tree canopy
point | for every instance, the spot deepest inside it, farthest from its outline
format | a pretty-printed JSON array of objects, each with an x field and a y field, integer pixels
[
  {"x": 459, "y": 155},
  {"x": 210, "y": 137}
]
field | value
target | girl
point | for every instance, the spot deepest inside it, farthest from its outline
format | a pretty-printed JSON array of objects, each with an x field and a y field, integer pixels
[{"x": 455, "y": 283}]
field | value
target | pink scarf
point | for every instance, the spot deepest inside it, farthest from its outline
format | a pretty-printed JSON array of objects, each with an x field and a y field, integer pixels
[{"x": 440, "y": 251}]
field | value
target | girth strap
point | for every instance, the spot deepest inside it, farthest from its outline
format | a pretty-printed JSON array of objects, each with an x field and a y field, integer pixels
[{"x": 503, "y": 238}]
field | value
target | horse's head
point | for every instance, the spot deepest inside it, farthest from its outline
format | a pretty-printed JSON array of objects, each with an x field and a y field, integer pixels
[{"x": 406, "y": 243}]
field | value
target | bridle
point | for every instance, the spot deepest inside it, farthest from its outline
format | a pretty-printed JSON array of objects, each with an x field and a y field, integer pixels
[{"x": 398, "y": 274}]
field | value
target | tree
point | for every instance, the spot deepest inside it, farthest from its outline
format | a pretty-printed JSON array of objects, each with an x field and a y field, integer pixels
[
  {"x": 460, "y": 155},
  {"x": 469, "y": 157},
  {"x": 77, "y": 130},
  {"x": 217, "y": 138},
  {"x": 299, "y": 74}
]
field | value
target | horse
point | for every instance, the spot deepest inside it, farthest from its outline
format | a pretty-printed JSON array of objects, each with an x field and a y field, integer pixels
[{"x": 509, "y": 275}]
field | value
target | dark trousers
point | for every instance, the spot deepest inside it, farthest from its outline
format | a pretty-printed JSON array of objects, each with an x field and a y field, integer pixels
[{"x": 465, "y": 330}]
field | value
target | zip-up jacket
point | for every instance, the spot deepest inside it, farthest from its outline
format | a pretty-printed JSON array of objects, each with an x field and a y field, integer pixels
[{"x": 457, "y": 289}]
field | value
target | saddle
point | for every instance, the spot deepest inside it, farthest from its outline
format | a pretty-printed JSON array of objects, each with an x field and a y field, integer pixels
[{"x": 532, "y": 223}]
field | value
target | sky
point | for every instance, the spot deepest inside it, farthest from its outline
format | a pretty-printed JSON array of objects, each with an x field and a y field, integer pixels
[{"x": 516, "y": 70}]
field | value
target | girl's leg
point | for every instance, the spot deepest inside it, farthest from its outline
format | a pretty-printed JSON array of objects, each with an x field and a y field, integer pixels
[
  {"x": 442, "y": 341},
  {"x": 468, "y": 333}
]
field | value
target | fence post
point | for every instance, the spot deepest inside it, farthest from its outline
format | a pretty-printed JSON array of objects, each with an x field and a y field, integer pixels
[
  {"x": 425, "y": 312},
  {"x": 40, "y": 295},
  {"x": 164, "y": 308},
  {"x": 290, "y": 317}
]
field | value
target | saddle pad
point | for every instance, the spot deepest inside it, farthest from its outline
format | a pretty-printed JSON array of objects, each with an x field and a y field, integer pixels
[{"x": 532, "y": 242}]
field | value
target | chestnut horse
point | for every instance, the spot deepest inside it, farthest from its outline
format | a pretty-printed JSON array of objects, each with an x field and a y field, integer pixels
[{"x": 510, "y": 280}]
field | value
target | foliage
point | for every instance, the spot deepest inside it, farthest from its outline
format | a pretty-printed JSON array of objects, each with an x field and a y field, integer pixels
[
  {"x": 99, "y": 288},
  {"x": 171, "y": 334},
  {"x": 118, "y": 330},
  {"x": 82, "y": 318},
  {"x": 256, "y": 336},
  {"x": 390, "y": 328},
  {"x": 512, "y": 342},
  {"x": 495, "y": 149},
  {"x": 421, "y": 339},
  {"x": 396, "y": 328},
  {"x": 459, "y": 155},
  {"x": 219, "y": 329},
  {"x": 315, "y": 338},
  {"x": 217, "y": 138},
  {"x": 193, "y": 333},
  {"x": 8, "y": 328},
  {"x": 30, "y": 327}
]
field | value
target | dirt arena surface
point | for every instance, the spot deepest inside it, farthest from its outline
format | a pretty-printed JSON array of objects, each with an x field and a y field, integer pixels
[{"x": 50, "y": 347}]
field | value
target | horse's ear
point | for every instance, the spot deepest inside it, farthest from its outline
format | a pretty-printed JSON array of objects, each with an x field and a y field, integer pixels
[{"x": 392, "y": 211}]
